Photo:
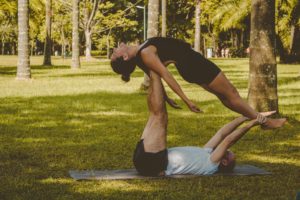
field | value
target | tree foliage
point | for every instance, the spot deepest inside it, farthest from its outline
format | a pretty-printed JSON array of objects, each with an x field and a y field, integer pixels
[{"x": 223, "y": 23}]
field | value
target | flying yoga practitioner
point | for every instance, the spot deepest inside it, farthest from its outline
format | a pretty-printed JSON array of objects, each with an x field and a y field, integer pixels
[
  {"x": 155, "y": 54},
  {"x": 152, "y": 158}
]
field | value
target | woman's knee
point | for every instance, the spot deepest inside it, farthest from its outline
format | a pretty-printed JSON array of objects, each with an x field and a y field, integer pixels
[{"x": 232, "y": 94}]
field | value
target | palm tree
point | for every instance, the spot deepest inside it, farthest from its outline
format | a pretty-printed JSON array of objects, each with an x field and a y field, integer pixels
[
  {"x": 197, "y": 26},
  {"x": 262, "y": 93},
  {"x": 48, "y": 42},
  {"x": 75, "y": 36},
  {"x": 153, "y": 18},
  {"x": 229, "y": 16},
  {"x": 8, "y": 22},
  {"x": 288, "y": 28},
  {"x": 164, "y": 18},
  {"x": 23, "y": 67},
  {"x": 230, "y": 13},
  {"x": 295, "y": 32},
  {"x": 152, "y": 31}
]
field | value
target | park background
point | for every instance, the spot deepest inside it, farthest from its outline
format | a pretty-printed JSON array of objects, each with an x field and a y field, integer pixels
[{"x": 63, "y": 108}]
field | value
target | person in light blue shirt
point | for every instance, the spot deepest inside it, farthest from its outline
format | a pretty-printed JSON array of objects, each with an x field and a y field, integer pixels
[
  {"x": 215, "y": 156},
  {"x": 152, "y": 158}
]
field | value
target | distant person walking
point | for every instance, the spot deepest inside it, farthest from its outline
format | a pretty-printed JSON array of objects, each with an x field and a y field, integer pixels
[
  {"x": 223, "y": 53},
  {"x": 227, "y": 52}
]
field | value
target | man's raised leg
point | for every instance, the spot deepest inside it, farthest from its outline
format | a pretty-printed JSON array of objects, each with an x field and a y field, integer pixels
[
  {"x": 150, "y": 156},
  {"x": 154, "y": 134}
]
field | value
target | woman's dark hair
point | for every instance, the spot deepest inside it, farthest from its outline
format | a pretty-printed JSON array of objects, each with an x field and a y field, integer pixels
[{"x": 123, "y": 67}]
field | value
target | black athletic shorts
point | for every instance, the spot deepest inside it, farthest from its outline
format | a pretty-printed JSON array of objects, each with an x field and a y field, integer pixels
[
  {"x": 149, "y": 164},
  {"x": 194, "y": 68}
]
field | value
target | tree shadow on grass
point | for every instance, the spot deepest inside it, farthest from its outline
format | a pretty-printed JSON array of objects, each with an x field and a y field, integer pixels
[
  {"x": 44, "y": 137},
  {"x": 96, "y": 74}
]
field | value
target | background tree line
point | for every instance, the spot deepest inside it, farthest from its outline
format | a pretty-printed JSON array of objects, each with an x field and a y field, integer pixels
[{"x": 104, "y": 23}]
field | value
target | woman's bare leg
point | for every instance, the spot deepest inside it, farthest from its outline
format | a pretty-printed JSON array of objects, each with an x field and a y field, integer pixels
[{"x": 230, "y": 97}]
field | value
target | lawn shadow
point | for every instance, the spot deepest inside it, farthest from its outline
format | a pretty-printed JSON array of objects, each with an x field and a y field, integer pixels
[
  {"x": 44, "y": 137},
  {"x": 13, "y": 69}
]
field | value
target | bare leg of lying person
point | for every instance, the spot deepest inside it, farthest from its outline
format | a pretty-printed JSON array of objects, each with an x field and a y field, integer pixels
[{"x": 150, "y": 156}]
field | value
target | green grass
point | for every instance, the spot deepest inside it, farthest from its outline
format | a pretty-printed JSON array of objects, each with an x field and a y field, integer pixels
[{"x": 66, "y": 119}]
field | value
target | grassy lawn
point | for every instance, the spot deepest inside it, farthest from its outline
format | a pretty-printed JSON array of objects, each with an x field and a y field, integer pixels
[{"x": 66, "y": 119}]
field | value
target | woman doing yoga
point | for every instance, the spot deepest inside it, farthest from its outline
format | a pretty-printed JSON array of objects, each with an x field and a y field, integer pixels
[{"x": 157, "y": 53}]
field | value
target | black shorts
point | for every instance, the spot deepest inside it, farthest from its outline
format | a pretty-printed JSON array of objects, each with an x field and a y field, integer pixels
[
  {"x": 147, "y": 163},
  {"x": 195, "y": 68}
]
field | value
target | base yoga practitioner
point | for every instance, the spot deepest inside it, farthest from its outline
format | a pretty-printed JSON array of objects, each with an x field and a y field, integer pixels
[{"x": 152, "y": 158}]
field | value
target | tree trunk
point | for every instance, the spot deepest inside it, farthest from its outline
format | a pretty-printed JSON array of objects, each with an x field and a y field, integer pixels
[
  {"x": 164, "y": 18},
  {"x": 63, "y": 44},
  {"x": 32, "y": 48},
  {"x": 23, "y": 67},
  {"x": 262, "y": 94},
  {"x": 197, "y": 26},
  {"x": 153, "y": 18},
  {"x": 153, "y": 21},
  {"x": 237, "y": 38},
  {"x": 13, "y": 48},
  {"x": 75, "y": 36},
  {"x": 48, "y": 42},
  {"x": 107, "y": 46},
  {"x": 89, "y": 14},
  {"x": 242, "y": 39},
  {"x": 88, "y": 44},
  {"x": 232, "y": 38},
  {"x": 3, "y": 45},
  {"x": 295, "y": 43}
]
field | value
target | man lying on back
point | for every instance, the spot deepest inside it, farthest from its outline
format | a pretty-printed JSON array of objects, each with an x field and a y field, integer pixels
[{"x": 152, "y": 158}]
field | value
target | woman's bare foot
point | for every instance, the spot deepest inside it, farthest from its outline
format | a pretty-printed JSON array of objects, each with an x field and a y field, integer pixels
[{"x": 273, "y": 123}]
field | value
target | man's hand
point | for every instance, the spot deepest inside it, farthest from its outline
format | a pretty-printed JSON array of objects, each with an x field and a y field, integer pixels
[
  {"x": 172, "y": 103},
  {"x": 193, "y": 107}
]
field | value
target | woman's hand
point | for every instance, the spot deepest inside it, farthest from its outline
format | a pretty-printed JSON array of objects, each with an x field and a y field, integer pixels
[
  {"x": 193, "y": 107},
  {"x": 172, "y": 103}
]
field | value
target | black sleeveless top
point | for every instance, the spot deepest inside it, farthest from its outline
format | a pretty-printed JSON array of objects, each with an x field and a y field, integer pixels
[
  {"x": 191, "y": 65},
  {"x": 167, "y": 49}
]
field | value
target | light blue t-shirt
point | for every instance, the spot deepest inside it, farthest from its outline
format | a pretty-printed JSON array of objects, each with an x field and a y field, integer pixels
[{"x": 190, "y": 160}]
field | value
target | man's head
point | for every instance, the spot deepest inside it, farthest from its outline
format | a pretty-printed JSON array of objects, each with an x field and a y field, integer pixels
[
  {"x": 123, "y": 61},
  {"x": 228, "y": 162}
]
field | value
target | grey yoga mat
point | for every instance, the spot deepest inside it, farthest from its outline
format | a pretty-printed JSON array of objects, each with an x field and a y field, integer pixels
[{"x": 122, "y": 174}]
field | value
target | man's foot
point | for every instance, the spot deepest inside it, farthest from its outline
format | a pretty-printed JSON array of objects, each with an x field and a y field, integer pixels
[{"x": 273, "y": 123}]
